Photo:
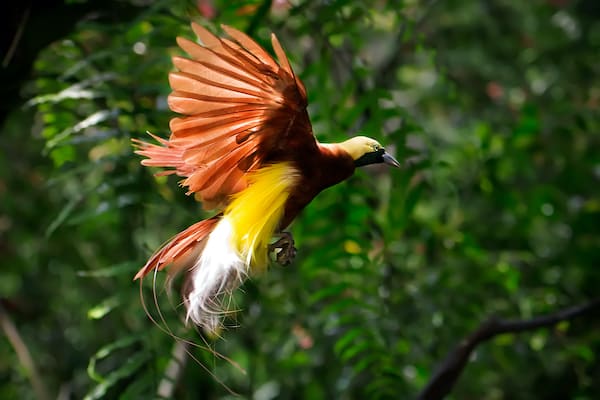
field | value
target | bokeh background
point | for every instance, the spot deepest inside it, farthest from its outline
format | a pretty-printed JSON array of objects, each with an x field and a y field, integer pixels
[{"x": 493, "y": 108}]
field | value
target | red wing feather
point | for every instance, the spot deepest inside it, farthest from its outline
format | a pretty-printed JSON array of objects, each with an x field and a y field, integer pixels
[{"x": 240, "y": 109}]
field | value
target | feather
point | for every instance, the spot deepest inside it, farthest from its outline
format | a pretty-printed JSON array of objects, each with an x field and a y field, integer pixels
[
  {"x": 180, "y": 249},
  {"x": 239, "y": 108}
]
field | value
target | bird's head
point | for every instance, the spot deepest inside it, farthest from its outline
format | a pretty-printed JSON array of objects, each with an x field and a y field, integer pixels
[{"x": 365, "y": 151}]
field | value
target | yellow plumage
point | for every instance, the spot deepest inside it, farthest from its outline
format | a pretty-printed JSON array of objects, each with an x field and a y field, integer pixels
[{"x": 256, "y": 211}]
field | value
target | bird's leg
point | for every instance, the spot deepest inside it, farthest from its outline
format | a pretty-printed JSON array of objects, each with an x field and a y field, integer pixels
[{"x": 287, "y": 251}]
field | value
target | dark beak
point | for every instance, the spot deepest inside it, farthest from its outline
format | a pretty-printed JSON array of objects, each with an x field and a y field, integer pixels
[{"x": 389, "y": 160}]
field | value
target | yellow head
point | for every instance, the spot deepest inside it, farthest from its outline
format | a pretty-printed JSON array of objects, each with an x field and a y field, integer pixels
[{"x": 365, "y": 151}]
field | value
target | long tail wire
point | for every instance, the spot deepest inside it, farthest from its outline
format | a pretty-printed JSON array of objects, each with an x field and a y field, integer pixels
[{"x": 164, "y": 327}]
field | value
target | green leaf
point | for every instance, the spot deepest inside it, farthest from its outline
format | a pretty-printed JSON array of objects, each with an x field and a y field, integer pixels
[
  {"x": 107, "y": 351},
  {"x": 131, "y": 365},
  {"x": 99, "y": 311},
  {"x": 355, "y": 349},
  {"x": 94, "y": 119},
  {"x": 366, "y": 362},
  {"x": 65, "y": 212},
  {"x": 118, "y": 269},
  {"x": 347, "y": 339},
  {"x": 330, "y": 291}
]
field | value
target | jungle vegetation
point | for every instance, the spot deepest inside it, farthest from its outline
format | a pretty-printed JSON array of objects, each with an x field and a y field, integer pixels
[{"x": 489, "y": 236}]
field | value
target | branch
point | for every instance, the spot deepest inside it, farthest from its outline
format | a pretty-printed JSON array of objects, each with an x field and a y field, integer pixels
[
  {"x": 449, "y": 370},
  {"x": 173, "y": 371},
  {"x": 23, "y": 354},
  {"x": 17, "y": 38}
]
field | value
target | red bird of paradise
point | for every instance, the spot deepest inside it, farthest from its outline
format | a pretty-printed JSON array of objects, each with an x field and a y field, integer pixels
[{"x": 245, "y": 146}]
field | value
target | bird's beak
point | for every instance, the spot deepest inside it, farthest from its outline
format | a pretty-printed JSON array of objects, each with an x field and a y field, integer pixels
[{"x": 389, "y": 160}]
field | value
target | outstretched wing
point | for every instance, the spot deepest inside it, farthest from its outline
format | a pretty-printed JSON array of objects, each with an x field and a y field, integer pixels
[{"x": 241, "y": 109}]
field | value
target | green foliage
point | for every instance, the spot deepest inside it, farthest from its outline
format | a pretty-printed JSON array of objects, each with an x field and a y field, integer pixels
[{"x": 492, "y": 106}]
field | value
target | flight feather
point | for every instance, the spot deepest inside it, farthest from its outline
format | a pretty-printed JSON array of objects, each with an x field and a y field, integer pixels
[{"x": 239, "y": 110}]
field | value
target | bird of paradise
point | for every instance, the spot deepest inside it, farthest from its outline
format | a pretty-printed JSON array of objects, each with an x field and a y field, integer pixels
[{"x": 244, "y": 146}]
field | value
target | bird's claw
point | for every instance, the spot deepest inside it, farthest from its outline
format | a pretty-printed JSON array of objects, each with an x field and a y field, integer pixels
[{"x": 285, "y": 245}]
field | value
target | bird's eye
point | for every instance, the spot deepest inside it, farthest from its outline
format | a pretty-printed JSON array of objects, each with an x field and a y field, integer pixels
[{"x": 376, "y": 147}]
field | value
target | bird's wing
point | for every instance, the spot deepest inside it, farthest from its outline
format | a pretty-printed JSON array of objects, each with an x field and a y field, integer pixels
[{"x": 240, "y": 109}]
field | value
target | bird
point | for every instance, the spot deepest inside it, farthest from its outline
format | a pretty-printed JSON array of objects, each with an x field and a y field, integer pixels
[{"x": 243, "y": 145}]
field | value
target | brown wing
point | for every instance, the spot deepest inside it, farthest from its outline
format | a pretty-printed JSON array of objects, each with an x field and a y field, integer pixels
[{"x": 240, "y": 109}]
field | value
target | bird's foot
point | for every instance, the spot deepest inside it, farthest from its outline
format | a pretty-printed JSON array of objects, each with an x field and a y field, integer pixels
[{"x": 285, "y": 245}]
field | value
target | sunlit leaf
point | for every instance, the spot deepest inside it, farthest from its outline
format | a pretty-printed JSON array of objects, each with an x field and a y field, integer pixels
[{"x": 107, "y": 305}]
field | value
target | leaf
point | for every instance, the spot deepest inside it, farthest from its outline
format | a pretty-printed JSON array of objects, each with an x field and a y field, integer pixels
[
  {"x": 131, "y": 365},
  {"x": 330, "y": 291},
  {"x": 65, "y": 212},
  {"x": 105, "y": 352},
  {"x": 366, "y": 362},
  {"x": 106, "y": 306},
  {"x": 114, "y": 270},
  {"x": 91, "y": 120},
  {"x": 346, "y": 339},
  {"x": 412, "y": 197},
  {"x": 77, "y": 91},
  {"x": 62, "y": 155},
  {"x": 342, "y": 305},
  {"x": 355, "y": 349}
]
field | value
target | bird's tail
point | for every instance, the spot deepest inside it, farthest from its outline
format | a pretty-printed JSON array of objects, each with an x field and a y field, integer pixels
[
  {"x": 181, "y": 251},
  {"x": 212, "y": 268}
]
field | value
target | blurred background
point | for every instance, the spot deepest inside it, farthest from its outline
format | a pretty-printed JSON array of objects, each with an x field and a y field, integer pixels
[{"x": 493, "y": 108}]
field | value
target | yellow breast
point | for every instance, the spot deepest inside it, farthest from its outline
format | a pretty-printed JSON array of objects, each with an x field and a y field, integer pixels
[{"x": 255, "y": 212}]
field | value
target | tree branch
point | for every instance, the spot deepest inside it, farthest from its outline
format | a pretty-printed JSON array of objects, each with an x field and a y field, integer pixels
[
  {"x": 173, "y": 371},
  {"x": 448, "y": 372},
  {"x": 23, "y": 354}
]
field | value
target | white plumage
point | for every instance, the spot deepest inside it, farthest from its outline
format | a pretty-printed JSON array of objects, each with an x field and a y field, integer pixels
[{"x": 218, "y": 270}]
